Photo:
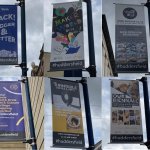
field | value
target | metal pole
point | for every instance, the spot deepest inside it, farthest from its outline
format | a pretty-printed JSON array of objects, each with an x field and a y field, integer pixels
[
  {"x": 92, "y": 67},
  {"x": 88, "y": 114},
  {"x": 73, "y": 73},
  {"x": 23, "y": 64},
  {"x": 32, "y": 140},
  {"x": 148, "y": 7},
  {"x": 147, "y": 109}
]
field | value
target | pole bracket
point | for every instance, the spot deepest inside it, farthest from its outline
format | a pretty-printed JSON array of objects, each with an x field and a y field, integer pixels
[
  {"x": 92, "y": 70},
  {"x": 21, "y": 3},
  {"x": 147, "y": 144},
  {"x": 22, "y": 65},
  {"x": 31, "y": 141},
  {"x": 83, "y": 80}
]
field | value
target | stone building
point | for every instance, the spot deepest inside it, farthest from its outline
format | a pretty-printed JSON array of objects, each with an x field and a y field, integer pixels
[{"x": 108, "y": 61}]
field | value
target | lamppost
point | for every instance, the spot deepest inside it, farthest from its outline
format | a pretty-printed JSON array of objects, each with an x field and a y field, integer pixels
[
  {"x": 148, "y": 7},
  {"x": 23, "y": 64},
  {"x": 92, "y": 68},
  {"x": 88, "y": 114},
  {"x": 32, "y": 140},
  {"x": 92, "y": 64},
  {"x": 147, "y": 109}
]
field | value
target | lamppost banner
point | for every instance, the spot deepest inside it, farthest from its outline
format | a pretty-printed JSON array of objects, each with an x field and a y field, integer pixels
[
  {"x": 126, "y": 124},
  {"x": 131, "y": 45},
  {"x": 67, "y": 115},
  {"x": 8, "y": 35},
  {"x": 67, "y": 49},
  {"x": 11, "y": 112}
]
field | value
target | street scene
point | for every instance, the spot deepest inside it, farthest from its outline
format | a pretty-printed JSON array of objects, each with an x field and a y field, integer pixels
[{"x": 74, "y": 74}]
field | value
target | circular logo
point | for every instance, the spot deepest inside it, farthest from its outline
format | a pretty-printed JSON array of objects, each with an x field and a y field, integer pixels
[
  {"x": 129, "y": 13},
  {"x": 13, "y": 87}
]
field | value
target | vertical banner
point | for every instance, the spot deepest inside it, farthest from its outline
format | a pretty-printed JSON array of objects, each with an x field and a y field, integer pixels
[
  {"x": 11, "y": 112},
  {"x": 131, "y": 45},
  {"x": 67, "y": 39},
  {"x": 126, "y": 124},
  {"x": 8, "y": 35},
  {"x": 67, "y": 115}
]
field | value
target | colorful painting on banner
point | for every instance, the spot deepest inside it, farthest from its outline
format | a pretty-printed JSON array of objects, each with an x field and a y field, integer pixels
[
  {"x": 126, "y": 124},
  {"x": 8, "y": 35},
  {"x": 66, "y": 108},
  {"x": 67, "y": 39},
  {"x": 11, "y": 112},
  {"x": 131, "y": 44}
]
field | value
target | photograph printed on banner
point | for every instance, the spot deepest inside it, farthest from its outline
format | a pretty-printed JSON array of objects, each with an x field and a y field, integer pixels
[{"x": 126, "y": 124}]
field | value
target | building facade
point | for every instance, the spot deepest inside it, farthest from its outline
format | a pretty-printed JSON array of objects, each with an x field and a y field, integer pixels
[
  {"x": 108, "y": 61},
  {"x": 43, "y": 69},
  {"x": 36, "y": 88}
]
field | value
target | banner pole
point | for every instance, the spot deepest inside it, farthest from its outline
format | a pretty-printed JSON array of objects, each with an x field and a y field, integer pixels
[
  {"x": 88, "y": 114},
  {"x": 23, "y": 64},
  {"x": 92, "y": 67},
  {"x": 148, "y": 7},
  {"x": 32, "y": 140},
  {"x": 147, "y": 108}
]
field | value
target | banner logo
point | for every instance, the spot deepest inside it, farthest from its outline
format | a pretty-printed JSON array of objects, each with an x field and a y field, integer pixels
[{"x": 129, "y": 13}]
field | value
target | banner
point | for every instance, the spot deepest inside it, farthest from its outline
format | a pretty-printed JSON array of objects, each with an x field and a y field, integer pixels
[
  {"x": 126, "y": 124},
  {"x": 67, "y": 115},
  {"x": 131, "y": 45},
  {"x": 11, "y": 112},
  {"x": 8, "y": 35},
  {"x": 67, "y": 39}
]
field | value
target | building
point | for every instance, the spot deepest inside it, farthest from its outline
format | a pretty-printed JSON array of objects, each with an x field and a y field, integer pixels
[
  {"x": 44, "y": 66},
  {"x": 12, "y": 146},
  {"x": 108, "y": 61}
]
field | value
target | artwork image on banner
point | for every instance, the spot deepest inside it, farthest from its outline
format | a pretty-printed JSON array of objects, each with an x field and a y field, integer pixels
[
  {"x": 8, "y": 35},
  {"x": 66, "y": 109},
  {"x": 11, "y": 112},
  {"x": 126, "y": 124},
  {"x": 67, "y": 39},
  {"x": 131, "y": 45}
]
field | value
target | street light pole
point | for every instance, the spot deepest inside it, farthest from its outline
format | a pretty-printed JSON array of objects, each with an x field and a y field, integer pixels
[
  {"x": 148, "y": 7},
  {"x": 88, "y": 114},
  {"x": 147, "y": 109},
  {"x": 92, "y": 67},
  {"x": 32, "y": 140},
  {"x": 23, "y": 64}
]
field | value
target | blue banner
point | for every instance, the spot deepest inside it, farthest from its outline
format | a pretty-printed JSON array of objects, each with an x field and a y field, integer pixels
[
  {"x": 11, "y": 112},
  {"x": 8, "y": 35}
]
